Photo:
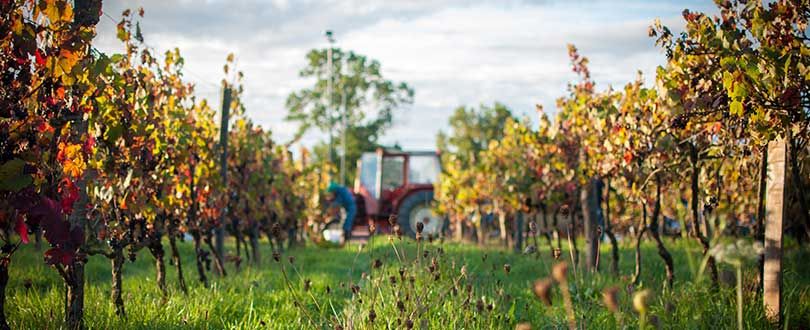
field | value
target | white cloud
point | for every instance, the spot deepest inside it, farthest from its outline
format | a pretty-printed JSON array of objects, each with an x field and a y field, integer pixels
[{"x": 453, "y": 53}]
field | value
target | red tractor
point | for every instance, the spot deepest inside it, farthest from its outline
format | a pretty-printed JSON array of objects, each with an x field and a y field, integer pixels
[{"x": 401, "y": 184}]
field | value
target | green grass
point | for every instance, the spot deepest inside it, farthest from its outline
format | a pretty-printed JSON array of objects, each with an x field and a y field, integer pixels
[{"x": 256, "y": 296}]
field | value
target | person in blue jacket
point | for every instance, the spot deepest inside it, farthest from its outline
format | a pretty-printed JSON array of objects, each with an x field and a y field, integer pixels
[{"x": 341, "y": 196}]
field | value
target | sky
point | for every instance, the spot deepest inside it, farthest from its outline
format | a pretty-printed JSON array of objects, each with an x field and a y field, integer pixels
[{"x": 452, "y": 53}]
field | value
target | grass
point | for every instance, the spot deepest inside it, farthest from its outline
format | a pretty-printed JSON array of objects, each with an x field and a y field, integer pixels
[{"x": 487, "y": 297}]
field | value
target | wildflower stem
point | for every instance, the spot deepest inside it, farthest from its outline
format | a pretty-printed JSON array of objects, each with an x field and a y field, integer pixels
[
  {"x": 642, "y": 320},
  {"x": 295, "y": 296},
  {"x": 739, "y": 298},
  {"x": 569, "y": 305}
]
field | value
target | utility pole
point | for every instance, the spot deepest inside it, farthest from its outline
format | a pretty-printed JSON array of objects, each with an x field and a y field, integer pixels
[
  {"x": 219, "y": 237},
  {"x": 345, "y": 122},
  {"x": 329, "y": 91}
]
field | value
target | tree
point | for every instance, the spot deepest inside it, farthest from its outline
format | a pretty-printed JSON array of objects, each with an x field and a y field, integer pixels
[
  {"x": 361, "y": 98},
  {"x": 472, "y": 129}
]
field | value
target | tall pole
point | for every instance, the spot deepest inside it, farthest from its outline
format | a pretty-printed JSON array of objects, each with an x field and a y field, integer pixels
[
  {"x": 329, "y": 91},
  {"x": 345, "y": 123},
  {"x": 219, "y": 237}
]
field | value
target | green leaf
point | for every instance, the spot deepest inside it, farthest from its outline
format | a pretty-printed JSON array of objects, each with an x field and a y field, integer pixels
[
  {"x": 12, "y": 177},
  {"x": 115, "y": 58},
  {"x": 736, "y": 108},
  {"x": 728, "y": 80},
  {"x": 113, "y": 133}
]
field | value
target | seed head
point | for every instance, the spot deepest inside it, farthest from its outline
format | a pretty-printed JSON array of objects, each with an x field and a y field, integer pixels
[
  {"x": 556, "y": 253},
  {"x": 420, "y": 227},
  {"x": 560, "y": 272},
  {"x": 532, "y": 227},
  {"x": 372, "y": 315},
  {"x": 641, "y": 301},
  {"x": 372, "y": 228},
  {"x": 564, "y": 209},
  {"x": 611, "y": 299},
  {"x": 377, "y": 263},
  {"x": 464, "y": 270},
  {"x": 276, "y": 256},
  {"x": 408, "y": 324},
  {"x": 307, "y": 284},
  {"x": 542, "y": 289},
  {"x": 355, "y": 288},
  {"x": 291, "y": 259},
  {"x": 507, "y": 268}
]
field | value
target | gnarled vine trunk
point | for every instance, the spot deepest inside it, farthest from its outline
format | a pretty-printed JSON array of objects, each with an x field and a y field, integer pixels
[
  {"x": 200, "y": 253},
  {"x": 74, "y": 303},
  {"x": 3, "y": 283},
  {"x": 219, "y": 266},
  {"x": 504, "y": 233},
  {"x": 254, "y": 244},
  {"x": 480, "y": 230},
  {"x": 73, "y": 273},
  {"x": 609, "y": 232},
  {"x": 116, "y": 291},
  {"x": 156, "y": 248},
  {"x": 178, "y": 265},
  {"x": 546, "y": 229},
  {"x": 696, "y": 223},
  {"x": 637, "y": 274},
  {"x": 517, "y": 232},
  {"x": 662, "y": 250},
  {"x": 590, "y": 204}
]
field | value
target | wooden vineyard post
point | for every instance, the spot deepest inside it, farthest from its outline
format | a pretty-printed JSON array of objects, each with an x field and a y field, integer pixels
[{"x": 775, "y": 214}]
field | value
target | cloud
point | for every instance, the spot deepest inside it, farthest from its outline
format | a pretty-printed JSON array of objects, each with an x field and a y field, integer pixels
[{"x": 453, "y": 52}]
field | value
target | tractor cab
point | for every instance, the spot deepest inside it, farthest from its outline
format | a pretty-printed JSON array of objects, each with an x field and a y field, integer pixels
[{"x": 401, "y": 184}]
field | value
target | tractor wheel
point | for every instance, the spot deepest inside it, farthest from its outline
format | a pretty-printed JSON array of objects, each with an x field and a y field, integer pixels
[{"x": 417, "y": 208}]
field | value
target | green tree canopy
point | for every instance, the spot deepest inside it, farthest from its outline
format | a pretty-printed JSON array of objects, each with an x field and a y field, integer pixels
[
  {"x": 471, "y": 130},
  {"x": 359, "y": 91}
]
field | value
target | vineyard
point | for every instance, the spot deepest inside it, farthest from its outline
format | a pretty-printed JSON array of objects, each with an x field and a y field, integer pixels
[{"x": 128, "y": 201}]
